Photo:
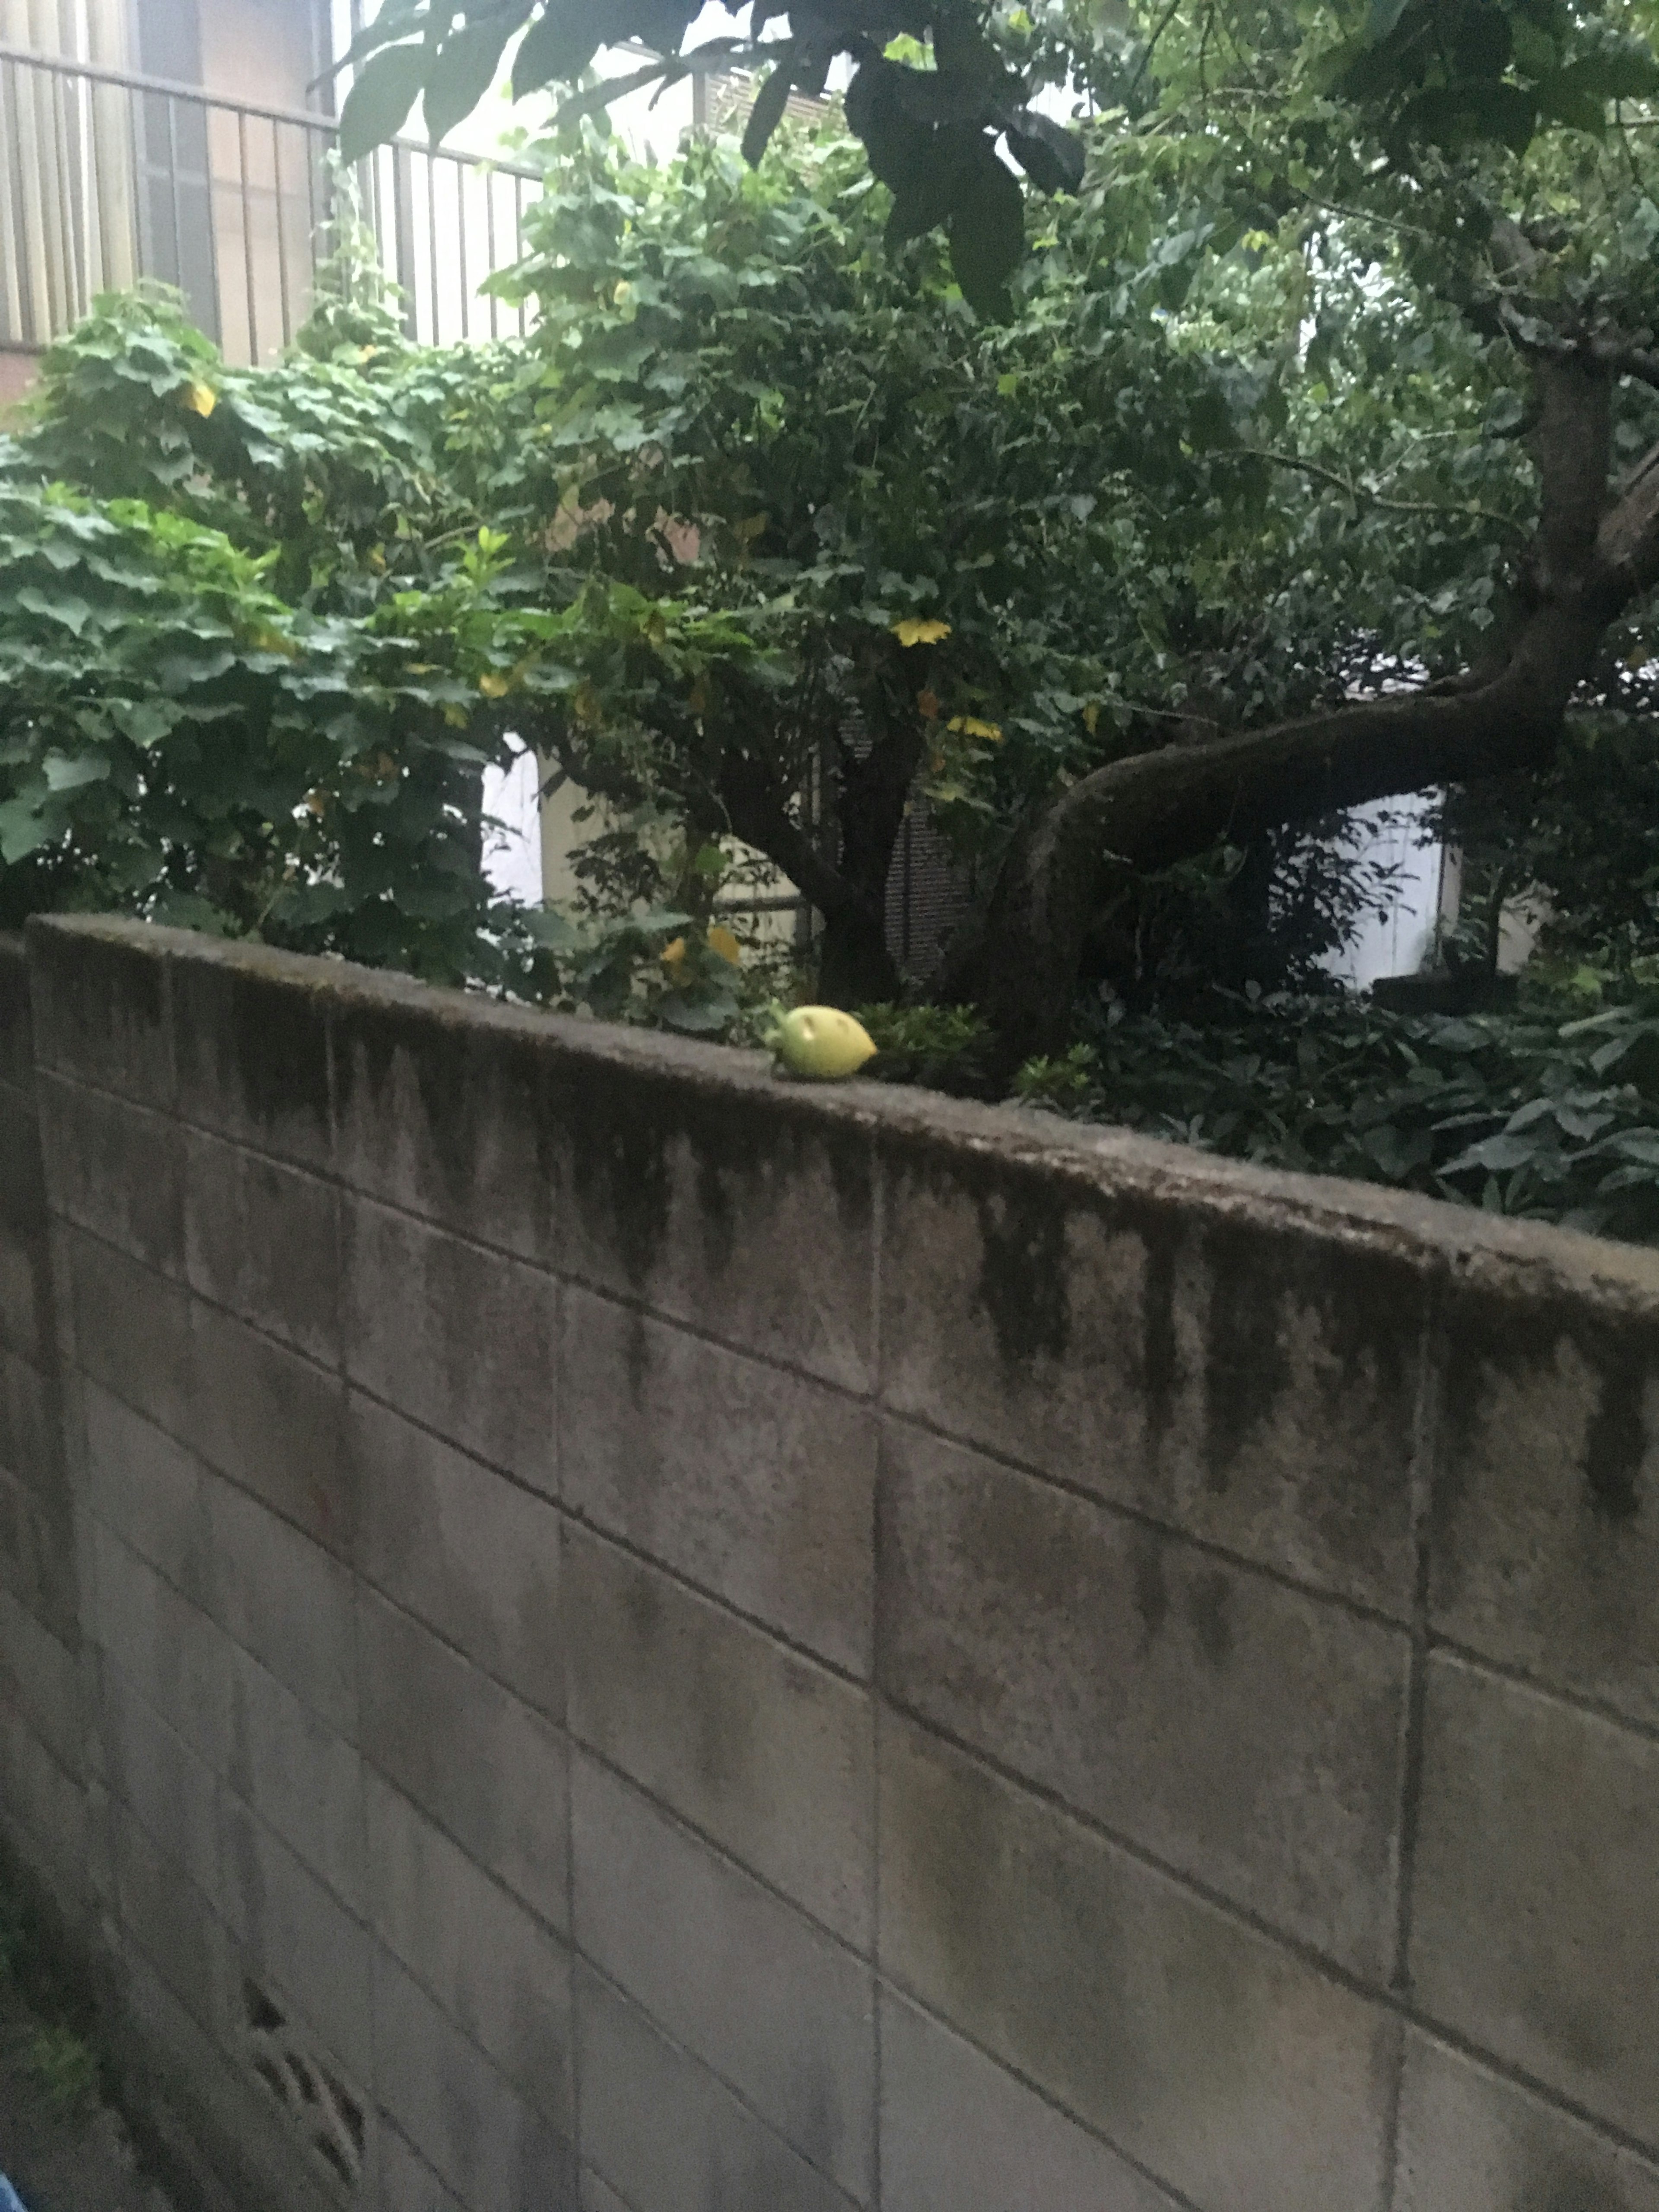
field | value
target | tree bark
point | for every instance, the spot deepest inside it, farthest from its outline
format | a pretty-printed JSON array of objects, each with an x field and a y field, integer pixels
[{"x": 1587, "y": 562}]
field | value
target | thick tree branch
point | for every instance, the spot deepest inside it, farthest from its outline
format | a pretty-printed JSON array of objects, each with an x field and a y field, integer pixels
[{"x": 1588, "y": 563}]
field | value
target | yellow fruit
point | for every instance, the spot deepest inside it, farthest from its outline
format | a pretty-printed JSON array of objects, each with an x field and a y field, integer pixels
[{"x": 822, "y": 1042}]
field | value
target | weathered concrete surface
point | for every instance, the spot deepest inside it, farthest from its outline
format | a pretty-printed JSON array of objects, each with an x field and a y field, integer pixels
[{"x": 580, "y": 1626}]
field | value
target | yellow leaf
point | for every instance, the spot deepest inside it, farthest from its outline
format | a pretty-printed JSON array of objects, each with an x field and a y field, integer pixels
[
  {"x": 751, "y": 527},
  {"x": 673, "y": 954},
  {"x": 201, "y": 398},
  {"x": 913, "y": 631},
  {"x": 455, "y": 716},
  {"x": 1091, "y": 717},
  {"x": 494, "y": 685},
  {"x": 969, "y": 725},
  {"x": 721, "y": 940},
  {"x": 927, "y": 705}
]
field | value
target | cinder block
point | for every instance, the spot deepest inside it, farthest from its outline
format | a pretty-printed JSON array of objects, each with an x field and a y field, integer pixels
[
  {"x": 488, "y": 1769},
  {"x": 37, "y": 1557},
  {"x": 1543, "y": 1557},
  {"x": 48, "y": 1805},
  {"x": 132, "y": 1332},
  {"x": 1253, "y": 1385},
  {"x": 449, "y": 1108},
  {"x": 466, "y": 1551},
  {"x": 25, "y": 1273},
  {"x": 461, "y": 1339},
  {"x": 252, "y": 1032},
  {"x": 667, "y": 2133},
  {"x": 494, "y": 1969},
  {"x": 1472, "y": 2141},
  {"x": 958, "y": 2130},
  {"x": 407, "y": 2182},
  {"x": 1244, "y": 1733},
  {"x": 44, "y": 1679},
  {"x": 287, "y": 1601},
  {"x": 1535, "y": 1919},
  {"x": 765, "y": 1752},
  {"x": 598, "y": 2196},
  {"x": 274, "y": 1422},
  {"x": 295, "y": 1933},
  {"x": 116, "y": 1168},
  {"x": 704, "y": 1194},
  {"x": 750, "y": 1481},
  {"x": 98, "y": 996},
  {"x": 779, "y": 2009},
  {"x": 263, "y": 1239},
  {"x": 202, "y": 2090},
  {"x": 170, "y": 1789},
  {"x": 26, "y": 1314},
  {"x": 1238, "y": 2075},
  {"x": 31, "y": 1424},
  {"x": 175, "y": 1656},
  {"x": 16, "y": 1027},
  {"x": 303, "y": 1779},
  {"x": 494, "y": 2151},
  {"x": 149, "y": 1490},
  {"x": 170, "y": 1921}
]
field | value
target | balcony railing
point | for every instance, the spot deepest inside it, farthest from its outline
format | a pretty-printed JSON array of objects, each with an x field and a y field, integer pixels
[{"x": 106, "y": 178}]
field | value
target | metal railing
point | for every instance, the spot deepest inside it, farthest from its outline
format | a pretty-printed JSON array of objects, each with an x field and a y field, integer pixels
[{"x": 107, "y": 177}]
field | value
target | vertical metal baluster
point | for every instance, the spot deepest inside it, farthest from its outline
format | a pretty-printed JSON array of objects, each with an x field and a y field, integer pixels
[
  {"x": 489, "y": 241},
  {"x": 27, "y": 331},
  {"x": 172, "y": 190},
  {"x": 68, "y": 228},
  {"x": 212, "y": 224},
  {"x": 140, "y": 206},
  {"x": 247, "y": 240},
  {"x": 403, "y": 243},
  {"x": 311, "y": 215},
  {"x": 518, "y": 238},
  {"x": 99, "y": 278},
  {"x": 460, "y": 247},
  {"x": 431, "y": 236},
  {"x": 282, "y": 226}
]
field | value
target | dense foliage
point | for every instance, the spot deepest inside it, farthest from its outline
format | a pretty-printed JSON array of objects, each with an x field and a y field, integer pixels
[
  {"x": 248, "y": 615},
  {"x": 1298, "y": 445},
  {"x": 1551, "y": 1113}
]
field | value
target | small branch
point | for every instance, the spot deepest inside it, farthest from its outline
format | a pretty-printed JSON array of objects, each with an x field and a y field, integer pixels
[{"x": 1357, "y": 492}]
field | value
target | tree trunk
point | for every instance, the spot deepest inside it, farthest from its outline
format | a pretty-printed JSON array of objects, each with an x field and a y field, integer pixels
[
  {"x": 1586, "y": 564},
  {"x": 855, "y": 968}
]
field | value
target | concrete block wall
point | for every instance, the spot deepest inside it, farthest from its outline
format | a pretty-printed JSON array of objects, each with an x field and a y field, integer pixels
[
  {"x": 42, "y": 1778},
  {"x": 658, "y": 1639}
]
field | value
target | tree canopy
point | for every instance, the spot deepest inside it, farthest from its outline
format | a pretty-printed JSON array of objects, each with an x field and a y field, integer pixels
[{"x": 1297, "y": 446}]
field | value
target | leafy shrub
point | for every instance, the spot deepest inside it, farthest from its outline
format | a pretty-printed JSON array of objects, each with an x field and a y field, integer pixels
[{"x": 1550, "y": 1113}]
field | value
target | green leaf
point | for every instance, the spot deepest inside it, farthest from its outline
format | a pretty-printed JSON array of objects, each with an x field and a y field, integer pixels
[
  {"x": 987, "y": 233},
  {"x": 556, "y": 48},
  {"x": 1380, "y": 19},
  {"x": 768, "y": 112},
  {"x": 22, "y": 830},
  {"x": 378, "y": 105},
  {"x": 464, "y": 71}
]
